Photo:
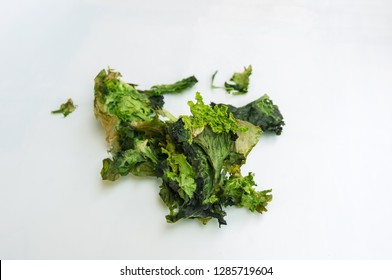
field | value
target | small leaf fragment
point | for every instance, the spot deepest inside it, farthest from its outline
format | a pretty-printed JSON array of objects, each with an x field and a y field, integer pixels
[
  {"x": 65, "y": 108},
  {"x": 213, "y": 79},
  {"x": 176, "y": 87},
  {"x": 239, "y": 82}
]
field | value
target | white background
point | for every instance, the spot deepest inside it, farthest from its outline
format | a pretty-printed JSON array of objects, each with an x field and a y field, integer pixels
[{"x": 327, "y": 64}]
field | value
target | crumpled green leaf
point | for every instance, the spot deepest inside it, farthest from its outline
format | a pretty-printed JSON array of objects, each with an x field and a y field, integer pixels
[
  {"x": 261, "y": 112},
  {"x": 218, "y": 118},
  {"x": 176, "y": 87},
  {"x": 239, "y": 82},
  {"x": 65, "y": 108},
  {"x": 124, "y": 112},
  {"x": 240, "y": 191}
]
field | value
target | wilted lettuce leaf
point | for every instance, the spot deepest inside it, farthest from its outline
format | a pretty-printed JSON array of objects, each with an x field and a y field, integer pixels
[
  {"x": 239, "y": 82},
  {"x": 261, "y": 112},
  {"x": 247, "y": 137},
  {"x": 216, "y": 117},
  {"x": 179, "y": 170},
  {"x": 217, "y": 146},
  {"x": 120, "y": 99},
  {"x": 180, "y": 207},
  {"x": 123, "y": 111},
  {"x": 240, "y": 191},
  {"x": 131, "y": 160},
  {"x": 176, "y": 87},
  {"x": 121, "y": 164},
  {"x": 116, "y": 102},
  {"x": 213, "y": 79},
  {"x": 65, "y": 108}
]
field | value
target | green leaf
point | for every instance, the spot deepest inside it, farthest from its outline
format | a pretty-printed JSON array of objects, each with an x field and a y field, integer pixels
[
  {"x": 125, "y": 102},
  {"x": 248, "y": 138},
  {"x": 213, "y": 79},
  {"x": 240, "y": 191},
  {"x": 217, "y": 147},
  {"x": 218, "y": 118},
  {"x": 65, "y": 108},
  {"x": 200, "y": 206},
  {"x": 116, "y": 102},
  {"x": 176, "y": 87},
  {"x": 261, "y": 112},
  {"x": 239, "y": 82},
  {"x": 180, "y": 171}
]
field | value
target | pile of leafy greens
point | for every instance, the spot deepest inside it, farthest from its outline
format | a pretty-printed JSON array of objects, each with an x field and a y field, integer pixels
[{"x": 197, "y": 157}]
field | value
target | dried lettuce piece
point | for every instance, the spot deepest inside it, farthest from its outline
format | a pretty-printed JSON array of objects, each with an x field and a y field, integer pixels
[
  {"x": 181, "y": 172},
  {"x": 116, "y": 102},
  {"x": 126, "y": 115},
  {"x": 141, "y": 160},
  {"x": 216, "y": 117},
  {"x": 119, "y": 99},
  {"x": 261, "y": 112},
  {"x": 239, "y": 82},
  {"x": 179, "y": 206},
  {"x": 213, "y": 79},
  {"x": 240, "y": 191},
  {"x": 176, "y": 87},
  {"x": 65, "y": 108}
]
